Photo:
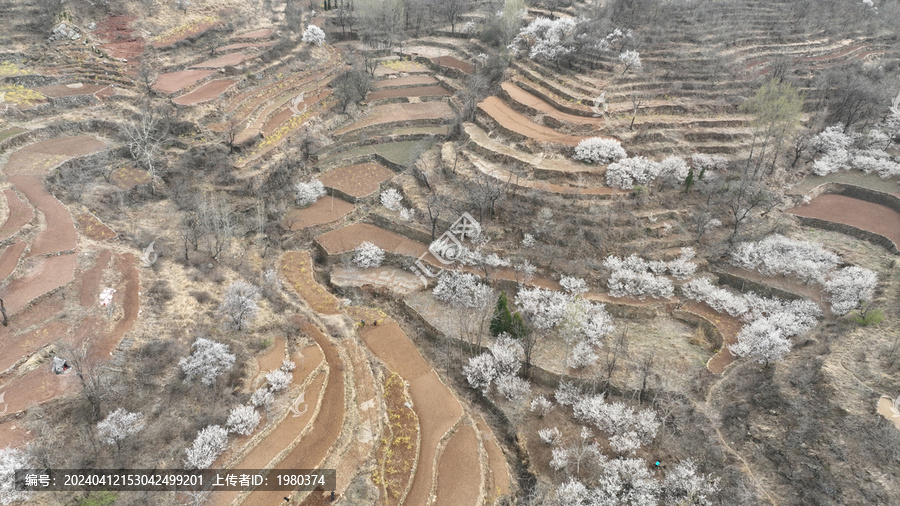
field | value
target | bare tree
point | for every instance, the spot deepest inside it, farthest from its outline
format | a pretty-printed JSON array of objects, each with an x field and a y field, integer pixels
[
  {"x": 616, "y": 347},
  {"x": 145, "y": 137},
  {"x": 645, "y": 369},
  {"x": 452, "y": 10}
]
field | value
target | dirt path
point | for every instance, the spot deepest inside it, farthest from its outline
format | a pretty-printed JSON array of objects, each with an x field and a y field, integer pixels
[
  {"x": 875, "y": 218},
  {"x": 324, "y": 210},
  {"x": 10, "y": 258},
  {"x": 314, "y": 446},
  {"x": 205, "y": 93},
  {"x": 20, "y": 213},
  {"x": 515, "y": 121},
  {"x": 459, "y": 471},
  {"x": 536, "y": 103},
  {"x": 59, "y": 233},
  {"x": 177, "y": 81},
  {"x": 728, "y": 326},
  {"x": 360, "y": 180}
]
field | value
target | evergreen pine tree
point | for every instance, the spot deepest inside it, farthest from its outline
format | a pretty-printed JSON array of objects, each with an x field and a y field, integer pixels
[{"x": 502, "y": 319}]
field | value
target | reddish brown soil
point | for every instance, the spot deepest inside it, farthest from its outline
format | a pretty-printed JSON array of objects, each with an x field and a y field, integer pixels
[
  {"x": 129, "y": 177},
  {"x": 536, "y": 103},
  {"x": 46, "y": 274},
  {"x": 39, "y": 158},
  {"x": 876, "y": 218},
  {"x": 16, "y": 346},
  {"x": 243, "y": 45},
  {"x": 324, "y": 210},
  {"x": 59, "y": 234},
  {"x": 93, "y": 228},
  {"x": 13, "y": 435},
  {"x": 438, "y": 411},
  {"x": 209, "y": 91},
  {"x": 728, "y": 326},
  {"x": 20, "y": 213},
  {"x": 10, "y": 258},
  {"x": 498, "y": 482},
  {"x": 36, "y": 387},
  {"x": 360, "y": 180},
  {"x": 36, "y": 314},
  {"x": 415, "y": 91},
  {"x": 349, "y": 237},
  {"x": 90, "y": 280},
  {"x": 63, "y": 90},
  {"x": 223, "y": 61},
  {"x": 120, "y": 41},
  {"x": 296, "y": 266},
  {"x": 433, "y": 402},
  {"x": 517, "y": 122},
  {"x": 177, "y": 81},
  {"x": 264, "y": 33},
  {"x": 313, "y": 447},
  {"x": 389, "y": 113},
  {"x": 449, "y": 61},
  {"x": 459, "y": 470},
  {"x": 128, "y": 297},
  {"x": 405, "y": 81}
]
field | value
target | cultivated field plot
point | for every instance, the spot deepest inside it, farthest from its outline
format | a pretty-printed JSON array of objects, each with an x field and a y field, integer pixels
[
  {"x": 875, "y": 218},
  {"x": 413, "y": 91},
  {"x": 410, "y": 81},
  {"x": 517, "y": 122},
  {"x": 359, "y": 181},
  {"x": 454, "y": 63},
  {"x": 324, "y": 210},
  {"x": 296, "y": 266},
  {"x": 176, "y": 81},
  {"x": 224, "y": 61},
  {"x": 209, "y": 91},
  {"x": 392, "y": 113},
  {"x": 348, "y": 238}
]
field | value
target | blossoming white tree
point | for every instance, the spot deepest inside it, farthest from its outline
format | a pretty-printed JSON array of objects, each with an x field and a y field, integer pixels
[
  {"x": 849, "y": 287},
  {"x": 777, "y": 254},
  {"x": 391, "y": 199},
  {"x": 631, "y": 59},
  {"x": 10, "y": 460},
  {"x": 307, "y": 193},
  {"x": 314, "y": 35},
  {"x": 242, "y": 420},
  {"x": 208, "y": 361},
  {"x": 600, "y": 150},
  {"x": 118, "y": 425},
  {"x": 208, "y": 445},
  {"x": 368, "y": 255},
  {"x": 628, "y": 172},
  {"x": 279, "y": 380}
]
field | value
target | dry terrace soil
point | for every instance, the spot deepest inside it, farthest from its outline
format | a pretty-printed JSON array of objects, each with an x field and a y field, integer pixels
[
  {"x": 876, "y": 218},
  {"x": 389, "y": 113},
  {"x": 415, "y": 91},
  {"x": 517, "y": 122},
  {"x": 205, "y": 93},
  {"x": 358, "y": 180},
  {"x": 224, "y": 61},
  {"x": 324, "y": 210},
  {"x": 406, "y": 81},
  {"x": 536, "y": 103},
  {"x": 177, "y": 81},
  {"x": 449, "y": 61},
  {"x": 20, "y": 213}
]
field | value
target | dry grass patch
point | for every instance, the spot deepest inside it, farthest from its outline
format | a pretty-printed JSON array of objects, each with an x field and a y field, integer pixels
[{"x": 399, "y": 446}]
